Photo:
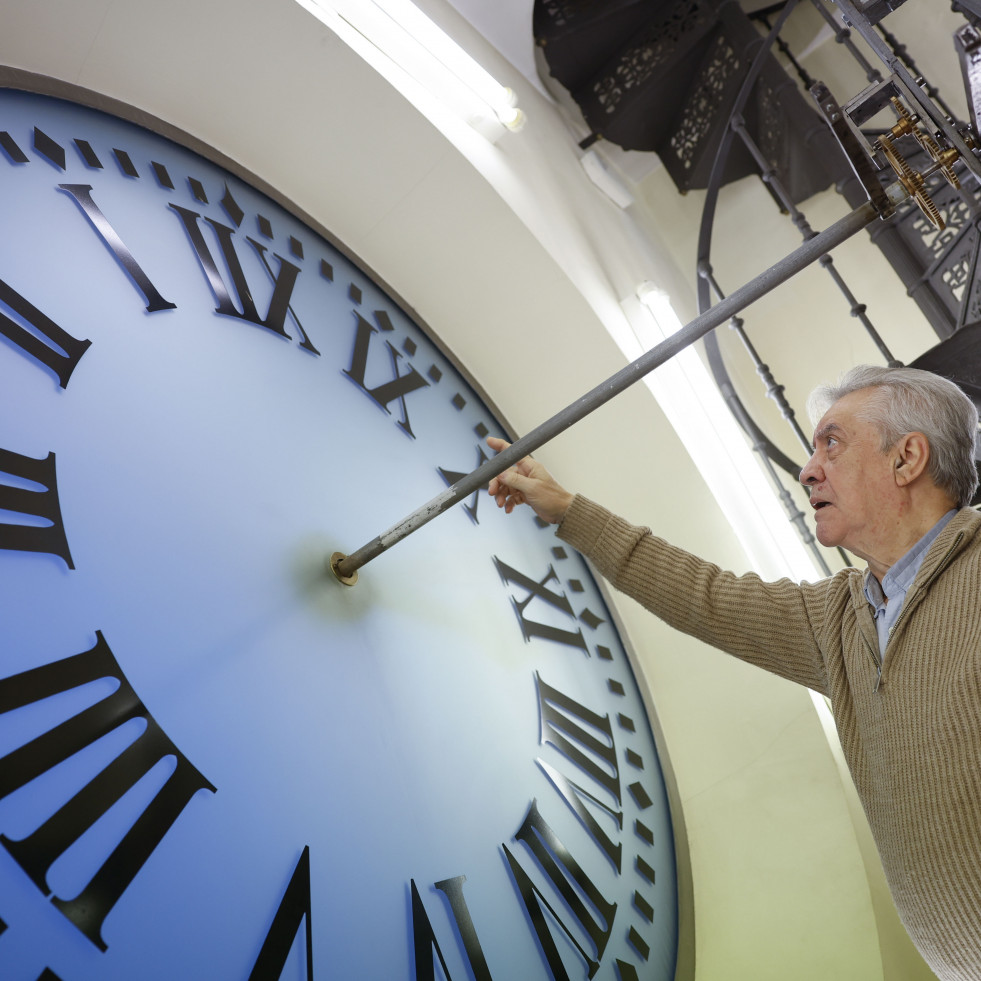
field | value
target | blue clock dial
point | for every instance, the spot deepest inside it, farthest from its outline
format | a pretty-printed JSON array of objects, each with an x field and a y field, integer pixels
[{"x": 214, "y": 760}]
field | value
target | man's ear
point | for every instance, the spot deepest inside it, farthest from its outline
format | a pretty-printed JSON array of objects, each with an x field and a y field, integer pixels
[{"x": 912, "y": 454}]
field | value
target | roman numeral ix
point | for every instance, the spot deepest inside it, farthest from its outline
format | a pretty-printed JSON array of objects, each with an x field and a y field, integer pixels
[{"x": 398, "y": 386}]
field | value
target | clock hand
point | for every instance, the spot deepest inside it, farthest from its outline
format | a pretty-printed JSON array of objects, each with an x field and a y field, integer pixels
[{"x": 344, "y": 567}]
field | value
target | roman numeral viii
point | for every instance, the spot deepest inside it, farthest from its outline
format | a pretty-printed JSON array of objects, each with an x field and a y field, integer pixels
[
  {"x": 284, "y": 280},
  {"x": 394, "y": 389},
  {"x": 36, "y": 852}
]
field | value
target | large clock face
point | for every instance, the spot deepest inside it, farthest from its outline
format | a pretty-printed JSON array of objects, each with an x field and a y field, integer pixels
[{"x": 215, "y": 760}]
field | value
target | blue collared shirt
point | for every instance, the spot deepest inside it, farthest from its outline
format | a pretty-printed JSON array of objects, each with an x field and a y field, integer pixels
[{"x": 896, "y": 583}]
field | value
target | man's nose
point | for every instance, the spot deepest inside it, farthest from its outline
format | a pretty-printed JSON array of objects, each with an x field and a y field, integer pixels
[{"x": 811, "y": 474}]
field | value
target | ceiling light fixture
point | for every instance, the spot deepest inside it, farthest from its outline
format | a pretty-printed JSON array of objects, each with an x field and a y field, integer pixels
[
  {"x": 421, "y": 61},
  {"x": 694, "y": 406}
]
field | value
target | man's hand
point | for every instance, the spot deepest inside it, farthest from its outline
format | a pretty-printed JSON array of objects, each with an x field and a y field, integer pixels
[{"x": 528, "y": 482}]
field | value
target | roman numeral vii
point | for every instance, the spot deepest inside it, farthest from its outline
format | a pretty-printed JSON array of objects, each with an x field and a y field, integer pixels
[{"x": 28, "y": 487}]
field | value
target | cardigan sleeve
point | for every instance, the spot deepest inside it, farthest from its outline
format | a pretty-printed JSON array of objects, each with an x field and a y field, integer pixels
[{"x": 767, "y": 624}]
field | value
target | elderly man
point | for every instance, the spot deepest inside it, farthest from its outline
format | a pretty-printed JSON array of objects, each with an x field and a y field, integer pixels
[{"x": 896, "y": 649}]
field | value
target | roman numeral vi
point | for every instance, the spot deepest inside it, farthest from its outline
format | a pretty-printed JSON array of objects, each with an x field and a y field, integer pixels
[{"x": 38, "y": 851}]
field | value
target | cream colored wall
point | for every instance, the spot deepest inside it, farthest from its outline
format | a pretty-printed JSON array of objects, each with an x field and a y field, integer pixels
[{"x": 518, "y": 263}]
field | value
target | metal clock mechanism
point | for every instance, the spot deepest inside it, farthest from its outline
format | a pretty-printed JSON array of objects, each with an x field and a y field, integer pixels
[
  {"x": 914, "y": 181},
  {"x": 942, "y": 149}
]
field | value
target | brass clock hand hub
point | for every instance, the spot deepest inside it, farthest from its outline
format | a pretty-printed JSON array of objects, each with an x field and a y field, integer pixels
[{"x": 334, "y": 562}]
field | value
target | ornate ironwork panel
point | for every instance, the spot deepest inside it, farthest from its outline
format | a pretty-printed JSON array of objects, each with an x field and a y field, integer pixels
[{"x": 700, "y": 117}]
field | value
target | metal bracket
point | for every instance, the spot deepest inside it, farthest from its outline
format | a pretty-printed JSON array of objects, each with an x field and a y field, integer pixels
[
  {"x": 967, "y": 43},
  {"x": 875, "y": 10},
  {"x": 855, "y": 148}
]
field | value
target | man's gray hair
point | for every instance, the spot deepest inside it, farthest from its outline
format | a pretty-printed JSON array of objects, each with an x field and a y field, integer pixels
[{"x": 910, "y": 400}]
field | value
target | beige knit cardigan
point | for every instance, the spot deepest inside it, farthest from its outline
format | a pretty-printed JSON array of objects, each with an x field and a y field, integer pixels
[{"x": 912, "y": 736}]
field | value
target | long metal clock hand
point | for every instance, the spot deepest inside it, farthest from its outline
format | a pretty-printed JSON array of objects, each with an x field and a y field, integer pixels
[{"x": 345, "y": 567}]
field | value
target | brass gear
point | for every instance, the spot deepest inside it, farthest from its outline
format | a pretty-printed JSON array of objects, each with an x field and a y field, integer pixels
[
  {"x": 943, "y": 159},
  {"x": 912, "y": 181},
  {"x": 907, "y": 120}
]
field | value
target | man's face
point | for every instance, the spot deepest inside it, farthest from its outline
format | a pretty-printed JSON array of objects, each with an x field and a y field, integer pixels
[{"x": 851, "y": 482}]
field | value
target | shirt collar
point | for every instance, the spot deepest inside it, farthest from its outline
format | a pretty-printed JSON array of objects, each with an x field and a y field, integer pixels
[{"x": 897, "y": 581}]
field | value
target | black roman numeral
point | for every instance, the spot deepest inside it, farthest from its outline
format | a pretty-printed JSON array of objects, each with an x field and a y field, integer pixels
[
  {"x": 424, "y": 938},
  {"x": 585, "y": 738},
  {"x": 539, "y": 590},
  {"x": 399, "y": 386},
  {"x": 48, "y": 343},
  {"x": 82, "y": 195},
  {"x": 283, "y": 282},
  {"x": 279, "y": 304},
  {"x": 593, "y": 914},
  {"x": 452, "y": 476},
  {"x": 36, "y": 853},
  {"x": 38, "y": 500},
  {"x": 294, "y": 905}
]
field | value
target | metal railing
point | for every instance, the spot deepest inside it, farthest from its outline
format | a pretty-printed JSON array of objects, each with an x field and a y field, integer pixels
[{"x": 901, "y": 65}]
